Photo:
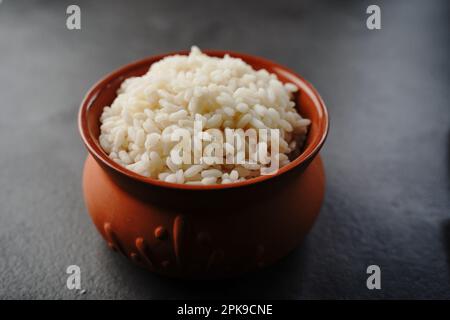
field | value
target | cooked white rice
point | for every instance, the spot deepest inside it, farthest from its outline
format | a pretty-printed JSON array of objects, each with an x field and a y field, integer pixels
[{"x": 222, "y": 92}]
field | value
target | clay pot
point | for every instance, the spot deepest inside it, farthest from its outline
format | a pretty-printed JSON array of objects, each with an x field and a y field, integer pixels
[{"x": 203, "y": 231}]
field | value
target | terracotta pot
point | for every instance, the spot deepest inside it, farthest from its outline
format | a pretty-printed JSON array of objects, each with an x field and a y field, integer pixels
[{"x": 203, "y": 231}]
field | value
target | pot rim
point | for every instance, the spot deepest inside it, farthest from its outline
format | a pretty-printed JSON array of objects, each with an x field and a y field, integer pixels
[{"x": 97, "y": 152}]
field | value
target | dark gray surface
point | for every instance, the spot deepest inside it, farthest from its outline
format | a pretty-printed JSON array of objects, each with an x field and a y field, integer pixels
[{"x": 387, "y": 155}]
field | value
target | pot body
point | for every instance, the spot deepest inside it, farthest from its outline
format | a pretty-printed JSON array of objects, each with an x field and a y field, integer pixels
[{"x": 203, "y": 233}]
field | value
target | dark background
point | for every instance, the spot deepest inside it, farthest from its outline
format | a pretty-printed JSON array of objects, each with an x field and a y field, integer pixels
[{"x": 386, "y": 157}]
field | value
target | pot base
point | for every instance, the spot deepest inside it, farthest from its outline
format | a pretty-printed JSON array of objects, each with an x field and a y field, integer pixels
[{"x": 201, "y": 240}]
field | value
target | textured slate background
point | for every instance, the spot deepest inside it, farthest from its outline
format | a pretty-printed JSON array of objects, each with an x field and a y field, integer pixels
[{"x": 387, "y": 155}]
